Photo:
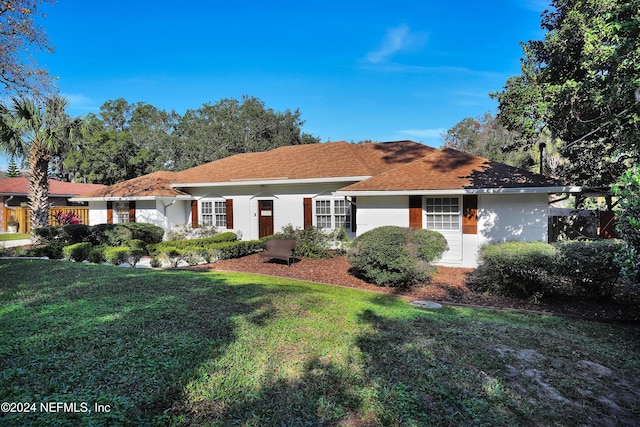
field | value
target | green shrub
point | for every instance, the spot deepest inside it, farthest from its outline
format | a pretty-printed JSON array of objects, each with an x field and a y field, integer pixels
[
  {"x": 590, "y": 267},
  {"x": 98, "y": 233},
  {"x": 155, "y": 263},
  {"x": 173, "y": 256},
  {"x": 148, "y": 233},
  {"x": 51, "y": 250},
  {"x": 311, "y": 242},
  {"x": 49, "y": 233},
  {"x": 117, "y": 255},
  {"x": 396, "y": 256},
  {"x": 135, "y": 255},
  {"x": 628, "y": 191},
  {"x": 119, "y": 234},
  {"x": 193, "y": 251},
  {"x": 229, "y": 250},
  {"x": 518, "y": 269},
  {"x": 75, "y": 233},
  {"x": 535, "y": 270},
  {"x": 137, "y": 244},
  {"x": 192, "y": 257},
  {"x": 77, "y": 251},
  {"x": 70, "y": 233},
  {"x": 96, "y": 254}
]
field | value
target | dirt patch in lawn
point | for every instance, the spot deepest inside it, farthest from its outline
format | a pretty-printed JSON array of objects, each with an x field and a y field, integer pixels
[{"x": 447, "y": 287}]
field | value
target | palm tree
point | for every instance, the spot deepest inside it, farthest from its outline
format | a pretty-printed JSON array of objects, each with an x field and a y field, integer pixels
[{"x": 37, "y": 131}]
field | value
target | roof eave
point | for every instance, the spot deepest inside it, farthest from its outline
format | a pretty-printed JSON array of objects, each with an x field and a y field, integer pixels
[
  {"x": 461, "y": 191},
  {"x": 275, "y": 181},
  {"x": 129, "y": 198}
]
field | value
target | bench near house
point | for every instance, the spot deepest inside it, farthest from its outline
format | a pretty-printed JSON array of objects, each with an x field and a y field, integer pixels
[{"x": 472, "y": 201}]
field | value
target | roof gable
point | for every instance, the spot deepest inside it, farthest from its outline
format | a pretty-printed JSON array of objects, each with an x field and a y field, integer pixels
[
  {"x": 449, "y": 169},
  {"x": 156, "y": 184}
]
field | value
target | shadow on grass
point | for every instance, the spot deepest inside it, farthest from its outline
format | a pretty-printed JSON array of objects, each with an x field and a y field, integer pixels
[
  {"x": 128, "y": 339},
  {"x": 163, "y": 348}
]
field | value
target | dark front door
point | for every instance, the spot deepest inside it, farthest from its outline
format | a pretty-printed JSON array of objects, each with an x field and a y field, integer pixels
[{"x": 265, "y": 217}]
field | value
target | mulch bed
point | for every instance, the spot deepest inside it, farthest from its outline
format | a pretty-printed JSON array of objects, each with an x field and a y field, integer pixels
[{"x": 447, "y": 287}]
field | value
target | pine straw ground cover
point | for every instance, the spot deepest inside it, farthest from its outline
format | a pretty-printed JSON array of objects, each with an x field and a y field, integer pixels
[{"x": 447, "y": 287}]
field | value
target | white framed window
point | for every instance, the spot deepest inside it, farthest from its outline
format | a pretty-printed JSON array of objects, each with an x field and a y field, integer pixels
[
  {"x": 443, "y": 213},
  {"x": 122, "y": 212},
  {"x": 213, "y": 213},
  {"x": 333, "y": 213}
]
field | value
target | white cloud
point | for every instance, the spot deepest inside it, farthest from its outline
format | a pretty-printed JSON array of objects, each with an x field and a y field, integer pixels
[
  {"x": 397, "y": 39},
  {"x": 79, "y": 103}
]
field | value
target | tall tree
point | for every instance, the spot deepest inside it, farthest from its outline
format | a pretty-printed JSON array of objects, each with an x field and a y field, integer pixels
[
  {"x": 12, "y": 170},
  {"x": 37, "y": 131},
  {"x": 582, "y": 83},
  {"x": 231, "y": 127},
  {"x": 19, "y": 36},
  {"x": 126, "y": 140},
  {"x": 486, "y": 137}
]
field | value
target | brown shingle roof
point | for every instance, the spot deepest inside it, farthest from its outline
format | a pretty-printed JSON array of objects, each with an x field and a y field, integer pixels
[
  {"x": 17, "y": 186},
  {"x": 401, "y": 165},
  {"x": 326, "y": 160},
  {"x": 451, "y": 169},
  {"x": 154, "y": 184}
]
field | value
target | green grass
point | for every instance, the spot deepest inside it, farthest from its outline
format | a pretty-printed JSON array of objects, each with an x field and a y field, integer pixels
[
  {"x": 196, "y": 348},
  {"x": 13, "y": 236}
]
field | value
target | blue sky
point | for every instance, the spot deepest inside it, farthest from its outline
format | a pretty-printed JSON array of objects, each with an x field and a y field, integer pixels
[{"x": 378, "y": 70}]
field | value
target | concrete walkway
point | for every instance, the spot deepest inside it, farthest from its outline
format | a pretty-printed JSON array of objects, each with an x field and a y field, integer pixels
[{"x": 14, "y": 243}]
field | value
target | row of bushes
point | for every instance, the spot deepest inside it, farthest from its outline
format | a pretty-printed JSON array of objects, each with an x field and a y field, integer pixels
[
  {"x": 195, "y": 254},
  {"x": 114, "y": 255},
  {"x": 535, "y": 270},
  {"x": 102, "y": 234}
]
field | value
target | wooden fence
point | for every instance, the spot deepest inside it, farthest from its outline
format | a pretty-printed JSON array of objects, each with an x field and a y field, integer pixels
[
  {"x": 23, "y": 216},
  {"x": 575, "y": 224}
]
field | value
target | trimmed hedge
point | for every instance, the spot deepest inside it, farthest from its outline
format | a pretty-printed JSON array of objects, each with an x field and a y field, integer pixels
[
  {"x": 110, "y": 234},
  {"x": 117, "y": 255},
  {"x": 173, "y": 252},
  {"x": 121, "y": 233},
  {"x": 585, "y": 269},
  {"x": 396, "y": 256},
  {"x": 96, "y": 254},
  {"x": 77, "y": 251}
]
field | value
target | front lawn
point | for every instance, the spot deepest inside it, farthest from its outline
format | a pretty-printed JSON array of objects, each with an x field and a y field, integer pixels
[
  {"x": 104, "y": 346},
  {"x": 4, "y": 237}
]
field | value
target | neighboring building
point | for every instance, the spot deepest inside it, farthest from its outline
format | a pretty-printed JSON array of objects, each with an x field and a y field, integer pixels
[
  {"x": 13, "y": 193},
  {"x": 472, "y": 201}
]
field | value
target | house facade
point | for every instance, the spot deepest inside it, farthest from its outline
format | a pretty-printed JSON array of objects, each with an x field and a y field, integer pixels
[
  {"x": 470, "y": 200},
  {"x": 14, "y": 193}
]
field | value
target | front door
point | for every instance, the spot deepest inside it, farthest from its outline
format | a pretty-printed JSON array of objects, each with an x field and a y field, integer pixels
[{"x": 265, "y": 218}]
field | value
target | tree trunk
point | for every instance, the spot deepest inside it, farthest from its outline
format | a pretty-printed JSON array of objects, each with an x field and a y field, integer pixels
[{"x": 38, "y": 187}]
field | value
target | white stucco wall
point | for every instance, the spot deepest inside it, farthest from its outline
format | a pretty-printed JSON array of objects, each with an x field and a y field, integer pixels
[
  {"x": 377, "y": 211},
  {"x": 287, "y": 200},
  {"x": 501, "y": 218},
  {"x": 97, "y": 213},
  {"x": 512, "y": 217}
]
